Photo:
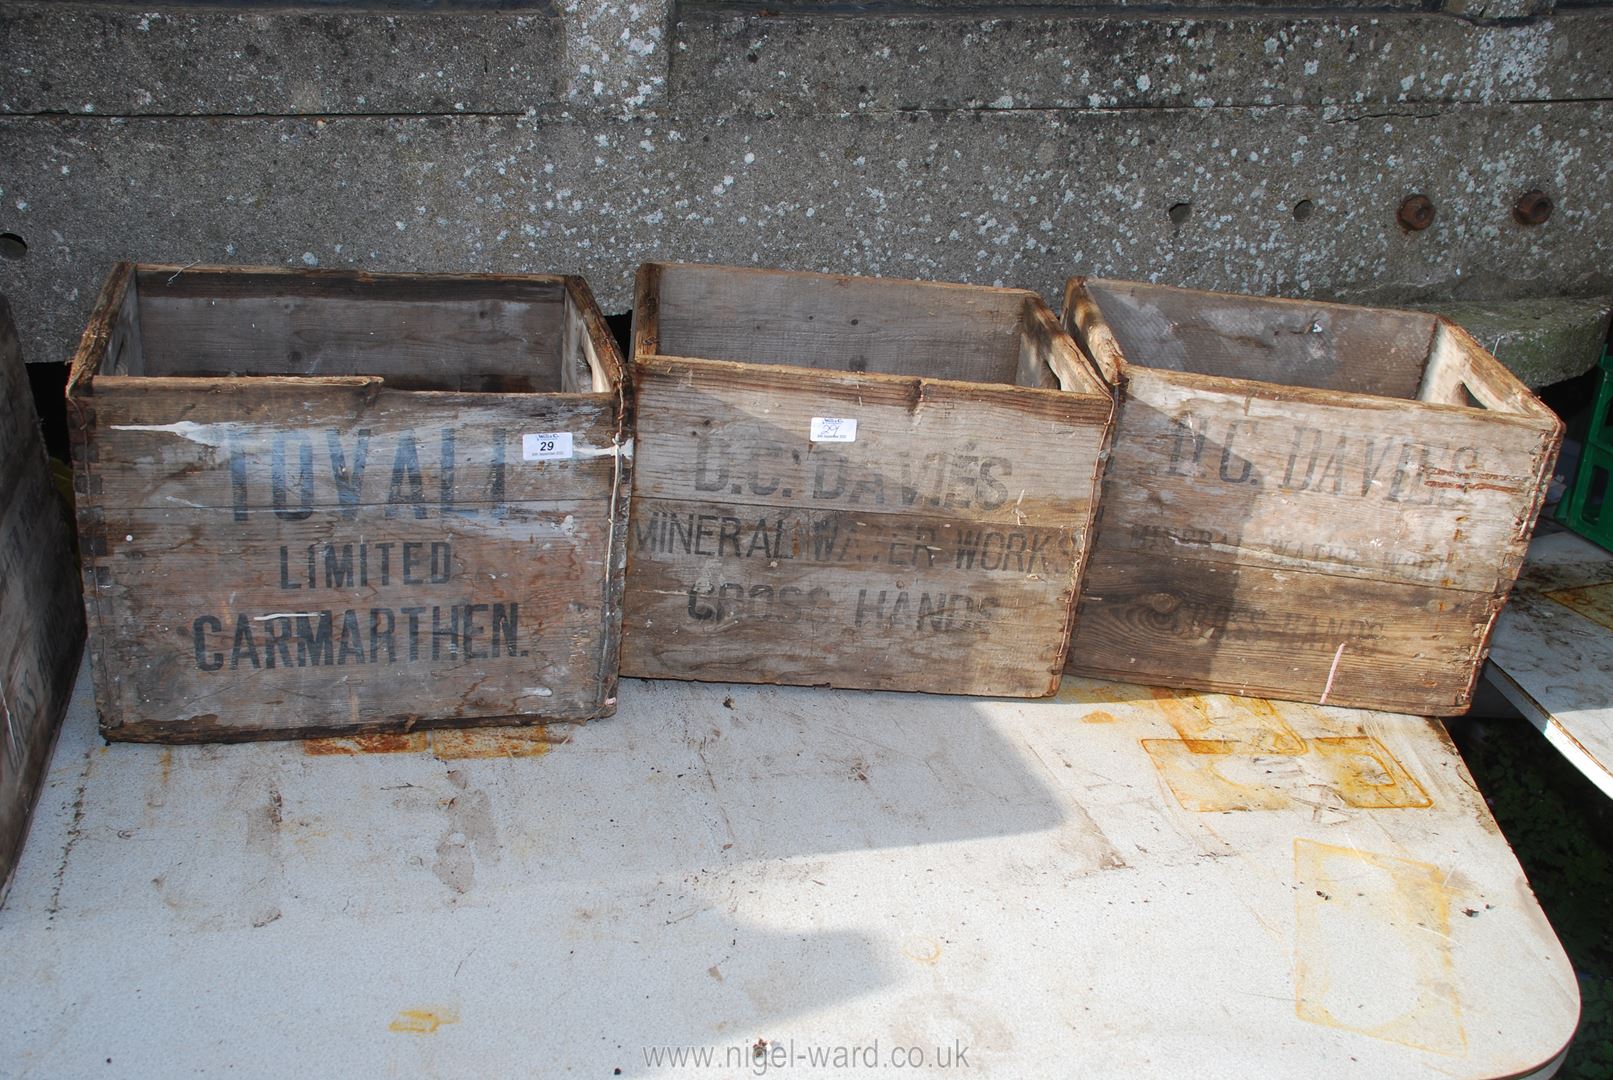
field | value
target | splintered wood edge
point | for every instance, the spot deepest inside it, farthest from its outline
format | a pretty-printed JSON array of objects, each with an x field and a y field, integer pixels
[
  {"x": 619, "y": 378},
  {"x": 97, "y": 334},
  {"x": 646, "y": 312},
  {"x": 1086, "y": 327},
  {"x": 1490, "y": 382},
  {"x": 605, "y": 351},
  {"x": 79, "y": 392},
  {"x": 1068, "y": 360}
]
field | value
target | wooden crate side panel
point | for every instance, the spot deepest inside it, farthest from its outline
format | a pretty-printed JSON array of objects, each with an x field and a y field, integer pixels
[
  {"x": 41, "y": 612},
  {"x": 1022, "y": 457},
  {"x": 935, "y": 470},
  {"x": 1398, "y": 492},
  {"x": 204, "y": 518},
  {"x": 1250, "y": 630},
  {"x": 222, "y": 629},
  {"x": 745, "y": 593},
  {"x": 1289, "y": 342},
  {"x": 880, "y": 325},
  {"x": 487, "y": 345},
  {"x": 289, "y": 445},
  {"x": 41, "y": 638}
]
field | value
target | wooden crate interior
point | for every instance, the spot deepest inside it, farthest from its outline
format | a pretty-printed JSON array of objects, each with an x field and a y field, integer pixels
[
  {"x": 1288, "y": 342},
  {"x": 873, "y": 325},
  {"x": 482, "y": 335}
]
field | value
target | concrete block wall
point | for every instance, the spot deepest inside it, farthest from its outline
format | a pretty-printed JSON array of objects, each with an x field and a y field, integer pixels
[{"x": 1256, "y": 148}]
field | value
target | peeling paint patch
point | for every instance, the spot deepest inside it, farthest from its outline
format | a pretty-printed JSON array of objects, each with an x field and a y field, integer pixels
[
  {"x": 1350, "y": 771},
  {"x": 423, "y": 1021},
  {"x": 1403, "y": 989},
  {"x": 391, "y": 743},
  {"x": 449, "y": 745}
]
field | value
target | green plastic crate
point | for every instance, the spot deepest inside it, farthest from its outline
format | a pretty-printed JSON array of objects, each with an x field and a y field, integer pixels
[{"x": 1585, "y": 507}]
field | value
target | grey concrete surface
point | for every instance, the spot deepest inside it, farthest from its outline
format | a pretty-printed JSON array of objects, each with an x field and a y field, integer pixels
[
  {"x": 1012, "y": 151},
  {"x": 128, "y": 61},
  {"x": 1544, "y": 340},
  {"x": 811, "y": 63}
]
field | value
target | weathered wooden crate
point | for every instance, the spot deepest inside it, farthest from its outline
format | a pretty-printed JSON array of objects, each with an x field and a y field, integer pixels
[
  {"x": 41, "y": 617},
  {"x": 1305, "y": 500},
  {"x": 856, "y": 482},
  {"x": 332, "y": 502}
]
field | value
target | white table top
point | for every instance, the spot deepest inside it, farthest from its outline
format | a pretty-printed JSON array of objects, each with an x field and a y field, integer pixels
[
  {"x": 1552, "y": 653},
  {"x": 1115, "y": 882}
]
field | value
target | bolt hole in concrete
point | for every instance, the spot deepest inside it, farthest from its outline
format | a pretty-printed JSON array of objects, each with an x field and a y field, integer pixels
[
  {"x": 12, "y": 246},
  {"x": 1532, "y": 208},
  {"x": 1304, "y": 209},
  {"x": 1180, "y": 212},
  {"x": 1416, "y": 213}
]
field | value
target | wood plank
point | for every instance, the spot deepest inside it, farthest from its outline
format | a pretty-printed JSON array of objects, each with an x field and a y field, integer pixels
[
  {"x": 1289, "y": 342},
  {"x": 41, "y": 614},
  {"x": 837, "y": 597},
  {"x": 1380, "y": 493},
  {"x": 352, "y": 624},
  {"x": 472, "y": 333},
  {"x": 706, "y": 427},
  {"x": 1243, "y": 629},
  {"x": 839, "y": 323},
  {"x": 293, "y": 444}
]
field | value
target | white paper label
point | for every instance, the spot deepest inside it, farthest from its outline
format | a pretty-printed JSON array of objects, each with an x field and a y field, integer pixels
[
  {"x": 833, "y": 429},
  {"x": 546, "y": 446}
]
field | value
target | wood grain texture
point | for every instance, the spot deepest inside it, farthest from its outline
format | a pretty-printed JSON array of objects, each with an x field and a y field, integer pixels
[
  {"x": 938, "y": 551},
  {"x": 841, "y": 323},
  {"x": 1251, "y": 528},
  {"x": 1197, "y": 623},
  {"x": 1287, "y": 342},
  {"x": 41, "y": 616},
  {"x": 284, "y": 555},
  {"x": 447, "y": 334}
]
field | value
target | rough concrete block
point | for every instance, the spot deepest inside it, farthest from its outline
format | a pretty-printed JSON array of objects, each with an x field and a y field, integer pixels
[
  {"x": 123, "y": 61},
  {"x": 1542, "y": 341},
  {"x": 1497, "y": 9},
  {"x": 839, "y": 64},
  {"x": 616, "y": 54},
  {"x": 1252, "y": 150},
  {"x": 1006, "y": 198}
]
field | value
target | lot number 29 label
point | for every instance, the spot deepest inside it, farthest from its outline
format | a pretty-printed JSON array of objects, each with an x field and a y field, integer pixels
[
  {"x": 833, "y": 429},
  {"x": 546, "y": 446}
]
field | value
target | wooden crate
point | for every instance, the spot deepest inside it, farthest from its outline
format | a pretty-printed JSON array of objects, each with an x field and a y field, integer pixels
[
  {"x": 332, "y": 502},
  {"x": 1305, "y": 500},
  {"x": 856, "y": 482},
  {"x": 41, "y": 617}
]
